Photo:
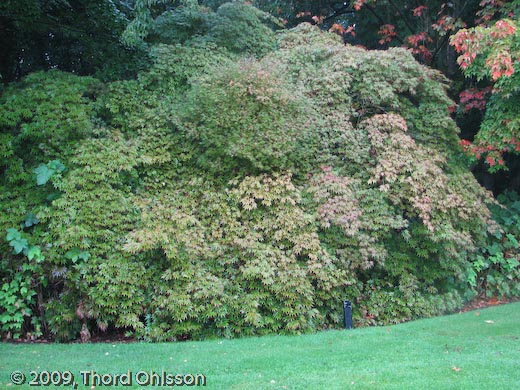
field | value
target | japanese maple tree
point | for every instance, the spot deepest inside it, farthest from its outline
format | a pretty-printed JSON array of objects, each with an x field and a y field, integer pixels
[{"x": 492, "y": 51}]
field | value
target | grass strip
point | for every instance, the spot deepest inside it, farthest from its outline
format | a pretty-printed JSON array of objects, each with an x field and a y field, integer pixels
[{"x": 473, "y": 350}]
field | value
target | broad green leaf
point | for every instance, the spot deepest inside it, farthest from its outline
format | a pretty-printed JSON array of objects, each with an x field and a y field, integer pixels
[
  {"x": 34, "y": 252},
  {"x": 84, "y": 256},
  {"x": 73, "y": 254},
  {"x": 31, "y": 219},
  {"x": 43, "y": 174},
  {"x": 13, "y": 234},
  {"x": 19, "y": 245},
  {"x": 56, "y": 166},
  {"x": 39, "y": 258}
]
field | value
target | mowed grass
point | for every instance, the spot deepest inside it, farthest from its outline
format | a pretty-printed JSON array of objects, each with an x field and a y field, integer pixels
[{"x": 474, "y": 350}]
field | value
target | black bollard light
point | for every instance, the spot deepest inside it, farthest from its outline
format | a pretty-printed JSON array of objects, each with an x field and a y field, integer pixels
[{"x": 347, "y": 310}]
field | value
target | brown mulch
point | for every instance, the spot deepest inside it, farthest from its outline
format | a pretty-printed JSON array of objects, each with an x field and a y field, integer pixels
[{"x": 483, "y": 302}]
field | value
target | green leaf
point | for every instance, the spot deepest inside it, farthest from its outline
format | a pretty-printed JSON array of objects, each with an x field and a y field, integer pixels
[
  {"x": 5, "y": 318},
  {"x": 511, "y": 242},
  {"x": 76, "y": 254},
  {"x": 479, "y": 264},
  {"x": 43, "y": 174},
  {"x": 39, "y": 258},
  {"x": 73, "y": 254},
  {"x": 512, "y": 263},
  {"x": 31, "y": 219},
  {"x": 13, "y": 234},
  {"x": 84, "y": 256},
  {"x": 56, "y": 166},
  {"x": 494, "y": 249},
  {"x": 33, "y": 252},
  {"x": 19, "y": 245}
]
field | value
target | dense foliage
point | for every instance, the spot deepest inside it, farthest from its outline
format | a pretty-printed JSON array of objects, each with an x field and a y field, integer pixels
[
  {"x": 493, "y": 52},
  {"x": 481, "y": 31},
  {"x": 227, "y": 194},
  {"x": 496, "y": 269}
]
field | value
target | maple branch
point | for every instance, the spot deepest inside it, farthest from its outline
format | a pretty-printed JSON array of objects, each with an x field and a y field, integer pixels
[{"x": 448, "y": 34}]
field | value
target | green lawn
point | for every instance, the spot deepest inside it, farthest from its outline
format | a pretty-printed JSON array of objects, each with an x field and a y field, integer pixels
[{"x": 474, "y": 350}]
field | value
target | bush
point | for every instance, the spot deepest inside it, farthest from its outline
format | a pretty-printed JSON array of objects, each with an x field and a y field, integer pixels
[
  {"x": 496, "y": 269},
  {"x": 217, "y": 196}
]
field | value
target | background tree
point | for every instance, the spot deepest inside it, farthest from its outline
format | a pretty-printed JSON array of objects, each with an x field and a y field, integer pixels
[
  {"x": 493, "y": 53},
  {"x": 80, "y": 36}
]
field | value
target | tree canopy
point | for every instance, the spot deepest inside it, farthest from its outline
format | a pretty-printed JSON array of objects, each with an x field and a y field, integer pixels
[{"x": 81, "y": 36}]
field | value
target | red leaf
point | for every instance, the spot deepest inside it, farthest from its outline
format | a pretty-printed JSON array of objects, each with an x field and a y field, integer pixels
[{"x": 419, "y": 10}]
